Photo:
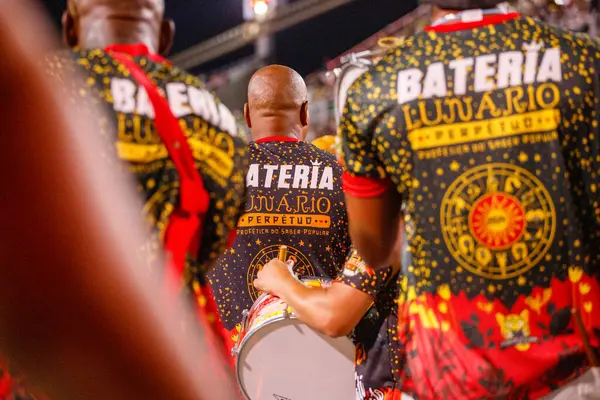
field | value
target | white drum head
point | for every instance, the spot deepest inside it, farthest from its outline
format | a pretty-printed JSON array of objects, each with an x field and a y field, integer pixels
[
  {"x": 350, "y": 74},
  {"x": 289, "y": 361}
]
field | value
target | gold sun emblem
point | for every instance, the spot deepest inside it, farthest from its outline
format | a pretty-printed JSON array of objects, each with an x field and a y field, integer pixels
[{"x": 498, "y": 221}]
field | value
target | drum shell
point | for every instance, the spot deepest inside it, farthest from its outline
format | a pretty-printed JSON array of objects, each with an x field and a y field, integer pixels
[
  {"x": 269, "y": 314},
  {"x": 346, "y": 76},
  {"x": 267, "y": 300}
]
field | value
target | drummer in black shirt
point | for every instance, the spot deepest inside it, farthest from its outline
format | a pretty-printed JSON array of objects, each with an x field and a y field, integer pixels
[
  {"x": 294, "y": 197},
  {"x": 368, "y": 314}
]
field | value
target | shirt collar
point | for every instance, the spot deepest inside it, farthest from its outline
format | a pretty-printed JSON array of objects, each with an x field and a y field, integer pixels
[
  {"x": 459, "y": 25},
  {"x": 277, "y": 139},
  {"x": 135, "y": 50}
]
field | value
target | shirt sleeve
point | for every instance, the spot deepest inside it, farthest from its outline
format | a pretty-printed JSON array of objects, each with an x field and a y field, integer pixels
[
  {"x": 359, "y": 275},
  {"x": 364, "y": 173}
]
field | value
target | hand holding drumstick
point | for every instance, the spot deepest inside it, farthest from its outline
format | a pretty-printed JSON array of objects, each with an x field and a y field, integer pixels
[{"x": 275, "y": 274}]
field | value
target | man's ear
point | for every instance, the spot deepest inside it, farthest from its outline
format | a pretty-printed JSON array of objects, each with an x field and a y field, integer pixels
[
  {"x": 69, "y": 29},
  {"x": 167, "y": 34},
  {"x": 247, "y": 115},
  {"x": 304, "y": 115}
]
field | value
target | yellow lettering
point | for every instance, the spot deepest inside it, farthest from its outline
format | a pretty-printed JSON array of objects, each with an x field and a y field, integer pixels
[
  {"x": 226, "y": 140},
  {"x": 264, "y": 203},
  {"x": 437, "y": 113},
  {"x": 531, "y": 96},
  {"x": 285, "y": 203},
  {"x": 550, "y": 91},
  {"x": 122, "y": 128},
  {"x": 463, "y": 107},
  {"x": 513, "y": 101},
  {"x": 487, "y": 104},
  {"x": 408, "y": 119},
  {"x": 324, "y": 205}
]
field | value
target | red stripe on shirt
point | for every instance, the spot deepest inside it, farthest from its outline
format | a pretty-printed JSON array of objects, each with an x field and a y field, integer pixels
[
  {"x": 359, "y": 186},
  {"x": 461, "y": 26},
  {"x": 277, "y": 139}
]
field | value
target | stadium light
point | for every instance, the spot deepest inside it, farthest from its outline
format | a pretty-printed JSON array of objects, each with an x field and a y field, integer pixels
[{"x": 261, "y": 7}]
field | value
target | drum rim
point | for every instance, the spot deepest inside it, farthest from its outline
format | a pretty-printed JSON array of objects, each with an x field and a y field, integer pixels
[
  {"x": 271, "y": 321},
  {"x": 245, "y": 340},
  {"x": 343, "y": 71},
  {"x": 260, "y": 298}
]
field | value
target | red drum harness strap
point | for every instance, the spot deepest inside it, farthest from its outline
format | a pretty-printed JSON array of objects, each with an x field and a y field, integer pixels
[{"x": 184, "y": 231}]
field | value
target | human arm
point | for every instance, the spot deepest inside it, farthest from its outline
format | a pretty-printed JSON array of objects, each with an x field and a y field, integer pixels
[
  {"x": 334, "y": 311},
  {"x": 373, "y": 199},
  {"x": 79, "y": 313},
  {"x": 376, "y": 226}
]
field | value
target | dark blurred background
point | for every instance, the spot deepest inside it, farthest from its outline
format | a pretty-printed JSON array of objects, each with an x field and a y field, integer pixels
[
  {"x": 304, "y": 47},
  {"x": 226, "y": 41}
]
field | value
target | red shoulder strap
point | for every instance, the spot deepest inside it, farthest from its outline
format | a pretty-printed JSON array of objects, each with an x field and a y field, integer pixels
[
  {"x": 194, "y": 200},
  {"x": 185, "y": 224}
]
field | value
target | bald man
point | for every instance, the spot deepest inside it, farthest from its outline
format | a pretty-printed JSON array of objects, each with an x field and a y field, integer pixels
[
  {"x": 294, "y": 196},
  {"x": 360, "y": 303},
  {"x": 179, "y": 142}
]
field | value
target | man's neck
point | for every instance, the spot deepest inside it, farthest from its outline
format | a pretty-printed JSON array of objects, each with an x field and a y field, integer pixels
[
  {"x": 99, "y": 34},
  {"x": 270, "y": 130}
]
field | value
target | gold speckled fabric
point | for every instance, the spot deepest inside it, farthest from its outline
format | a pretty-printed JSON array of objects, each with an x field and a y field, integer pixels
[
  {"x": 220, "y": 155},
  {"x": 490, "y": 135},
  {"x": 377, "y": 352}
]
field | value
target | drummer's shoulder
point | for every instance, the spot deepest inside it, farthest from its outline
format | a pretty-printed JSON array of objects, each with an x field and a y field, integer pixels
[
  {"x": 399, "y": 56},
  {"x": 394, "y": 60}
]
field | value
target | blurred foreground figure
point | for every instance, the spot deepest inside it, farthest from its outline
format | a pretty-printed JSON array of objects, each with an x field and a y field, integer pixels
[
  {"x": 178, "y": 141},
  {"x": 79, "y": 313},
  {"x": 486, "y": 129}
]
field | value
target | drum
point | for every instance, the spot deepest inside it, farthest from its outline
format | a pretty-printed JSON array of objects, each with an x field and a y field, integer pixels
[
  {"x": 346, "y": 75},
  {"x": 353, "y": 66},
  {"x": 278, "y": 357}
]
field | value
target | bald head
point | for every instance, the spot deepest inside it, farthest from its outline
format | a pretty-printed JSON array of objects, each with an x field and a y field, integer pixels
[
  {"x": 276, "y": 88},
  {"x": 85, "y": 5},
  {"x": 277, "y": 98},
  {"x": 100, "y": 23}
]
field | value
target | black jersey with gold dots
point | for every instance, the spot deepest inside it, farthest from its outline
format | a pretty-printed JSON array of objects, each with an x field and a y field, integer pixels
[
  {"x": 489, "y": 132},
  {"x": 377, "y": 352},
  {"x": 294, "y": 198},
  {"x": 220, "y": 155}
]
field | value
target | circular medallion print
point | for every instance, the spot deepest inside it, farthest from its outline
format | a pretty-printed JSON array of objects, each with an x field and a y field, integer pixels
[
  {"x": 302, "y": 267},
  {"x": 498, "y": 220}
]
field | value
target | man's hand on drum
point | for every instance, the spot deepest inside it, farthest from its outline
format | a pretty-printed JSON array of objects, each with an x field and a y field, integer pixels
[{"x": 273, "y": 276}]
